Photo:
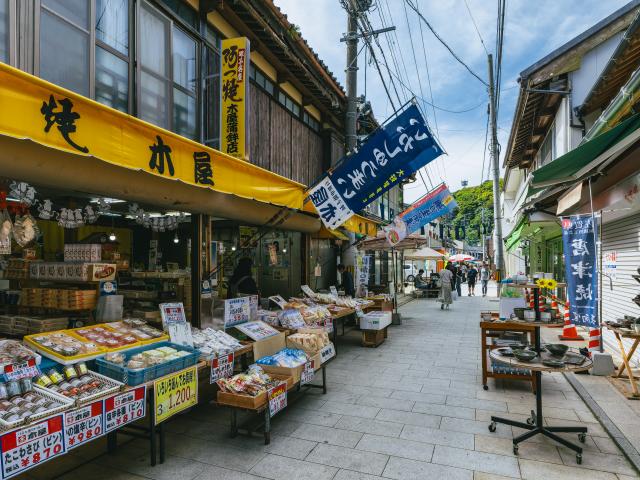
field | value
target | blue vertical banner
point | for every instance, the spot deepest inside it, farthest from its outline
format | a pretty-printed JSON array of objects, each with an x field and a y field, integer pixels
[
  {"x": 390, "y": 155},
  {"x": 578, "y": 237}
]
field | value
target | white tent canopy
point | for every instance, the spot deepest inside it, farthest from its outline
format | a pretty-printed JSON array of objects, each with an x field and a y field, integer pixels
[{"x": 424, "y": 253}]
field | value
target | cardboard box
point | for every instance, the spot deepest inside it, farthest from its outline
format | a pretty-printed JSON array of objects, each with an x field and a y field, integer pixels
[
  {"x": 247, "y": 401},
  {"x": 271, "y": 345},
  {"x": 375, "y": 320},
  {"x": 99, "y": 272}
]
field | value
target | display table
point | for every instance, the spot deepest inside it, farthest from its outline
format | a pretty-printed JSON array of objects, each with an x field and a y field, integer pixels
[
  {"x": 621, "y": 333},
  {"x": 535, "y": 424},
  {"x": 491, "y": 329}
]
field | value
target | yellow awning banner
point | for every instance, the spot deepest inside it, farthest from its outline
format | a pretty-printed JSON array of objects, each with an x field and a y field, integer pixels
[
  {"x": 361, "y": 225},
  {"x": 31, "y": 108},
  {"x": 330, "y": 234}
]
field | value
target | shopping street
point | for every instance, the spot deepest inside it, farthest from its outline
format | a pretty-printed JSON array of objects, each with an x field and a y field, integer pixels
[{"x": 412, "y": 408}]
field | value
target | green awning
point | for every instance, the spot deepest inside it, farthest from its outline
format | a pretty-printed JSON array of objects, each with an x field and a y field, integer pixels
[
  {"x": 513, "y": 239},
  {"x": 576, "y": 163}
]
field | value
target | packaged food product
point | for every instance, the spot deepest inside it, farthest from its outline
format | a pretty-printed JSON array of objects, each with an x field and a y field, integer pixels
[
  {"x": 26, "y": 385},
  {"x": 43, "y": 380},
  {"x": 3, "y": 391},
  {"x": 70, "y": 372},
  {"x": 81, "y": 369},
  {"x": 13, "y": 388}
]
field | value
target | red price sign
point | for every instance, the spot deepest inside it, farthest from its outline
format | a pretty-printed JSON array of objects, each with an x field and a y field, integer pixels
[
  {"x": 277, "y": 398},
  {"x": 21, "y": 370},
  {"x": 125, "y": 408},
  {"x": 221, "y": 367},
  {"x": 28, "y": 447},
  {"x": 308, "y": 373},
  {"x": 328, "y": 325},
  {"x": 84, "y": 424}
]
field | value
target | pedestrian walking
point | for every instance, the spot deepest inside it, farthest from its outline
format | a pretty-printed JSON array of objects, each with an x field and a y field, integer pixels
[
  {"x": 472, "y": 275},
  {"x": 484, "y": 278},
  {"x": 447, "y": 287},
  {"x": 464, "y": 269},
  {"x": 459, "y": 281}
]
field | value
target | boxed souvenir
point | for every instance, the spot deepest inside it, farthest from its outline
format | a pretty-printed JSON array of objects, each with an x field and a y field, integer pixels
[{"x": 249, "y": 390}]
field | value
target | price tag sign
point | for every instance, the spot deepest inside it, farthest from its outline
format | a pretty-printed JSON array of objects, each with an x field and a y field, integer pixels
[
  {"x": 307, "y": 373},
  {"x": 328, "y": 325},
  {"x": 28, "y": 447},
  {"x": 307, "y": 291},
  {"x": 125, "y": 408},
  {"x": 17, "y": 371},
  {"x": 175, "y": 393},
  {"x": 221, "y": 367},
  {"x": 327, "y": 352},
  {"x": 333, "y": 290},
  {"x": 277, "y": 398},
  {"x": 84, "y": 424},
  {"x": 237, "y": 311}
]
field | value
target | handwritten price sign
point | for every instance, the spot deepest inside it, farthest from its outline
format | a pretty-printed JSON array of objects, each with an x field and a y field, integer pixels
[
  {"x": 307, "y": 373},
  {"x": 84, "y": 424},
  {"x": 221, "y": 367},
  {"x": 277, "y": 398},
  {"x": 125, "y": 408},
  {"x": 28, "y": 447},
  {"x": 21, "y": 370},
  {"x": 174, "y": 393}
]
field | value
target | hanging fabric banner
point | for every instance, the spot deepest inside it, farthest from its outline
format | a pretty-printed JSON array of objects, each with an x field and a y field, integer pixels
[
  {"x": 578, "y": 238},
  {"x": 390, "y": 155},
  {"x": 436, "y": 203}
]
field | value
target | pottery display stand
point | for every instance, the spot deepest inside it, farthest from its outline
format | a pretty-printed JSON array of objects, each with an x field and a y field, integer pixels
[
  {"x": 490, "y": 329},
  {"x": 626, "y": 357},
  {"x": 535, "y": 425}
]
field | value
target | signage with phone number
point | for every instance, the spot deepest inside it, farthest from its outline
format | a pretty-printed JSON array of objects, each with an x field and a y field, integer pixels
[
  {"x": 84, "y": 424},
  {"x": 125, "y": 408},
  {"x": 28, "y": 447},
  {"x": 174, "y": 393}
]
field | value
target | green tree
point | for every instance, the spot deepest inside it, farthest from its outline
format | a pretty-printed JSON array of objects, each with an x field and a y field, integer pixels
[{"x": 474, "y": 203}]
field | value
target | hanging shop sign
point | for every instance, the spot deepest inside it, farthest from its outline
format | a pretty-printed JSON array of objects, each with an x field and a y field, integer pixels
[
  {"x": 52, "y": 116},
  {"x": 28, "y": 447},
  {"x": 390, "y": 155},
  {"x": 175, "y": 393},
  {"x": 363, "y": 263},
  {"x": 610, "y": 264},
  {"x": 84, "y": 424},
  {"x": 578, "y": 237},
  {"x": 234, "y": 84},
  {"x": 125, "y": 408},
  {"x": 436, "y": 203}
]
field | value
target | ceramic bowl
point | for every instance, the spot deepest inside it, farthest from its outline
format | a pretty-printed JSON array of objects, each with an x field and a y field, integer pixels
[
  {"x": 557, "y": 349},
  {"x": 524, "y": 355}
]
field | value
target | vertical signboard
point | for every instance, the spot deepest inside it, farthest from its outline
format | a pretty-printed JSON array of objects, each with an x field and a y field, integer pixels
[
  {"x": 578, "y": 235},
  {"x": 234, "y": 85}
]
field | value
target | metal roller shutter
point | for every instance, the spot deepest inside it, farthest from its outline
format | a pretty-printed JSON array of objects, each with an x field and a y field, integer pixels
[{"x": 622, "y": 238}]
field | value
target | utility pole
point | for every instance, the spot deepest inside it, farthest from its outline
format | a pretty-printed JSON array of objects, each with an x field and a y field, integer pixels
[
  {"x": 352, "y": 75},
  {"x": 495, "y": 159}
]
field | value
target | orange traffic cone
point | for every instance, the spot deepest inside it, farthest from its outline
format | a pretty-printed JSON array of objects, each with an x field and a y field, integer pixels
[
  {"x": 569, "y": 332},
  {"x": 554, "y": 305},
  {"x": 594, "y": 340},
  {"x": 542, "y": 306}
]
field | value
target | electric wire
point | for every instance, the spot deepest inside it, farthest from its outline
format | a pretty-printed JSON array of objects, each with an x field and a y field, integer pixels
[
  {"x": 466, "y": 4},
  {"x": 435, "y": 34}
]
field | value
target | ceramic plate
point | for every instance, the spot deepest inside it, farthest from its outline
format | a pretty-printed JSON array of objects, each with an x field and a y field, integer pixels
[{"x": 553, "y": 363}]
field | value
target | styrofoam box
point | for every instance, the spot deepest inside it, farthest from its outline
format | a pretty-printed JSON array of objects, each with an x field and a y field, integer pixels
[{"x": 375, "y": 320}]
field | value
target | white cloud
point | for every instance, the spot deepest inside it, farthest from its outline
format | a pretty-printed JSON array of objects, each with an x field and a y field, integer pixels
[{"x": 532, "y": 30}]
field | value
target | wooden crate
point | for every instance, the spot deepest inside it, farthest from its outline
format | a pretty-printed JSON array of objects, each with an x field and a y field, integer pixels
[{"x": 373, "y": 338}]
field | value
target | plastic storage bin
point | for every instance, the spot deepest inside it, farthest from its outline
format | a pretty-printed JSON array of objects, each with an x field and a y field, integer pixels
[{"x": 143, "y": 375}]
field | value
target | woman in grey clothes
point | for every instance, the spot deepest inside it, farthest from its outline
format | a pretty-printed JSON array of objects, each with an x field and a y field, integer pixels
[{"x": 446, "y": 277}]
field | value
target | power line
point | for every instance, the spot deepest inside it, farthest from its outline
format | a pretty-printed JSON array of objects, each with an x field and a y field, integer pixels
[
  {"x": 413, "y": 7},
  {"x": 484, "y": 152},
  {"x": 476, "y": 27}
]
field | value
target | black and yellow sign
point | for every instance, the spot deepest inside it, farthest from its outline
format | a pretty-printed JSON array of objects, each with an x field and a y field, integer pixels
[
  {"x": 234, "y": 85},
  {"x": 174, "y": 393}
]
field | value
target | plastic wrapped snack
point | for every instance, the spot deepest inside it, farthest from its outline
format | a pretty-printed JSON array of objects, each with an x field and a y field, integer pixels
[
  {"x": 291, "y": 318},
  {"x": 287, "y": 357}
]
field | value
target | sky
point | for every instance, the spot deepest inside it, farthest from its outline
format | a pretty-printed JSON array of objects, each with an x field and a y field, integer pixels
[{"x": 532, "y": 30}]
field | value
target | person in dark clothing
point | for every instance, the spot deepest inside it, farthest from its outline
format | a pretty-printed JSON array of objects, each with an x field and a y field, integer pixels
[
  {"x": 472, "y": 275},
  {"x": 241, "y": 281},
  {"x": 347, "y": 281},
  {"x": 458, "y": 280},
  {"x": 452, "y": 268}
]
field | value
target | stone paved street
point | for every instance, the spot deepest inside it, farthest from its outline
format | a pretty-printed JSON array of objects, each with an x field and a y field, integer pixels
[{"x": 414, "y": 408}]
